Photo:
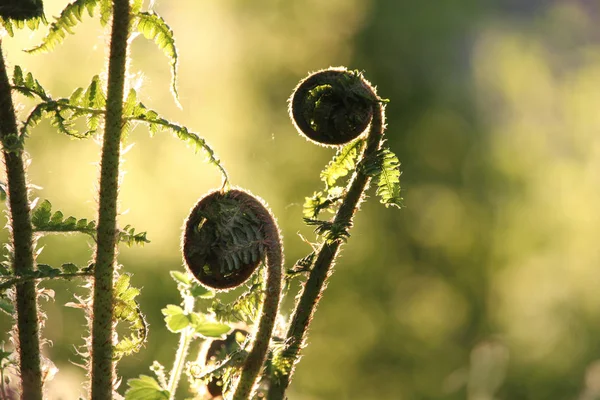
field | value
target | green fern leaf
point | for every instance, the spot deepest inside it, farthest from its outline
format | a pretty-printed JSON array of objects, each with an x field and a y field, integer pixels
[
  {"x": 28, "y": 85},
  {"x": 388, "y": 179},
  {"x": 136, "y": 6},
  {"x": 128, "y": 236},
  {"x": 7, "y": 24},
  {"x": 105, "y": 11},
  {"x": 45, "y": 221},
  {"x": 342, "y": 163},
  {"x": 126, "y": 309},
  {"x": 153, "y": 27},
  {"x": 70, "y": 16},
  {"x": 32, "y": 23}
]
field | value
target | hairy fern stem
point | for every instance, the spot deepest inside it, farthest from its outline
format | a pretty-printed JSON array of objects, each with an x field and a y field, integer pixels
[
  {"x": 22, "y": 242},
  {"x": 103, "y": 319},
  {"x": 227, "y": 235},
  {"x": 322, "y": 267},
  {"x": 268, "y": 313}
]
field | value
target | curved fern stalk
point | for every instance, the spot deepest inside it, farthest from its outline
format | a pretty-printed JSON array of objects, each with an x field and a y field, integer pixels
[
  {"x": 227, "y": 235},
  {"x": 332, "y": 107},
  {"x": 105, "y": 258},
  {"x": 22, "y": 243}
]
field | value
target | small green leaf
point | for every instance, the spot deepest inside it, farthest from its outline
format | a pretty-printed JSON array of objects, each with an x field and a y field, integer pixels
[
  {"x": 211, "y": 329},
  {"x": 69, "y": 268},
  {"x": 69, "y": 17},
  {"x": 200, "y": 291},
  {"x": 145, "y": 388},
  {"x": 180, "y": 277},
  {"x": 175, "y": 318},
  {"x": 122, "y": 284},
  {"x": 41, "y": 214},
  {"x": 388, "y": 179},
  {"x": 342, "y": 163}
]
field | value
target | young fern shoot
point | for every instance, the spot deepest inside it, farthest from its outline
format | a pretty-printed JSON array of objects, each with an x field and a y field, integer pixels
[
  {"x": 334, "y": 107},
  {"x": 227, "y": 235}
]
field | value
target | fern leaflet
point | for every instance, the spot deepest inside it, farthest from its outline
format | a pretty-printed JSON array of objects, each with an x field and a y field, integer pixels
[
  {"x": 154, "y": 27},
  {"x": 342, "y": 163},
  {"x": 126, "y": 309},
  {"x": 69, "y": 17},
  {"x": 388, "y": 178}
]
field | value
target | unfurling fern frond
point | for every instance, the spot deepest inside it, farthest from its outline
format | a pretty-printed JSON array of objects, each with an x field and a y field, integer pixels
[
  {"x": 342, "y": 163},
  {"x": 126, "y": 309},
  {"x": 154, "y": 27},
  {"x": 388, "y": 179}
]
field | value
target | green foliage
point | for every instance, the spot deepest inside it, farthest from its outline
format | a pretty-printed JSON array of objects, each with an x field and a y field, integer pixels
[
  {"x": 63, "y": 112},
  {"x": 189, "y": 287},
  {"x": 145, "y": 388},
  {"x": 69, "y": 17},
  {"x": 45, "y": 221},
  {"x": 319, "y": 202},
  {"x": 154, "y": 27},
  {"x": 126, "y": 309},
  {"x": 384, "y": 167},
  {"x": 243, "y": 309},
  {"x": 128, "y": 236},
  {"x": 27, "y": 84},
  {"x": 33, "y": 24},
  {"x": 329, "y": 230},
  {"x": 177, "y": 319},
  {"x": 342, "y": 163},
  {"x": 43, "y": 271}
]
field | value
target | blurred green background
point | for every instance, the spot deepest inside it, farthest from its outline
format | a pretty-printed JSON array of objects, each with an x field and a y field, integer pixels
[{"x": 485, "y": 286}]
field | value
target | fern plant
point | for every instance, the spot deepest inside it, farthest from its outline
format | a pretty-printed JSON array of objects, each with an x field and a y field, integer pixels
[
  {"x": 110, "y": 112},
  {"x": 231, "y": 240}
]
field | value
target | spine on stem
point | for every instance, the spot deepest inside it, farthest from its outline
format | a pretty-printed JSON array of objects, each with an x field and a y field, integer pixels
[
  {"x": 22, "y": 243},
  {"x": 103, "y": 295},
  {"x": 330, "y": 107}
]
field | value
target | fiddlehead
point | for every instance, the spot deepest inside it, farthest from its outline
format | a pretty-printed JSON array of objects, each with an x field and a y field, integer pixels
[
  {"x": 347, "y": 102},
  {"x": 332, "y": 107},
  {"x": 227, "y": 235}
]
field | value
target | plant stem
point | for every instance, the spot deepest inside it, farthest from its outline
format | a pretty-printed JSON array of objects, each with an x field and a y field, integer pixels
[
  {"x": 103, "y": 321},
  {"x": 321, "y": 270},
  {"x": 22, "y": 241},
  {"x": 184, "y": 344},
  {"x": 270, "y": 305}
]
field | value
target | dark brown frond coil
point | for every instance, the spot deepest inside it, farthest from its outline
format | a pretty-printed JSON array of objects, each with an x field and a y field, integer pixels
[
  {"x": 332, "y": 107},
  {"x": 224, "y": 239}
]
